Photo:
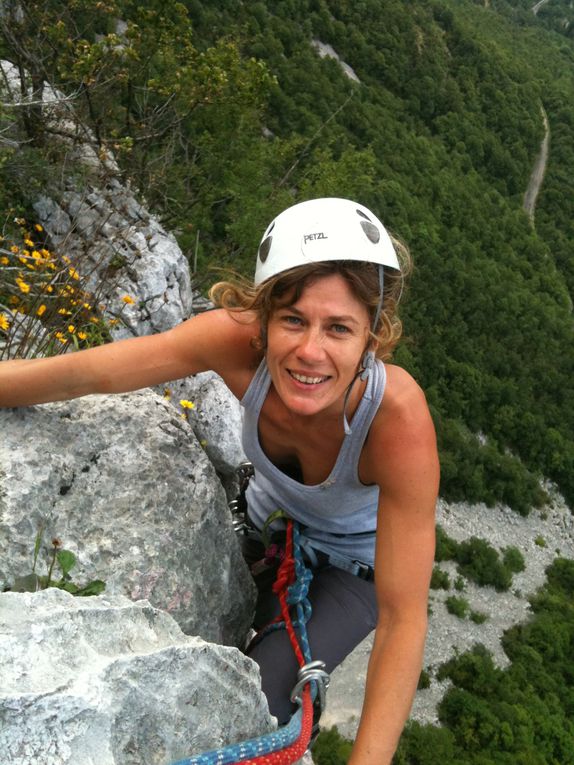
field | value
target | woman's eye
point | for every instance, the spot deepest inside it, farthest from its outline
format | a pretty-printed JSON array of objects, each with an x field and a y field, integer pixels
[
  {"x": 340, "y": 328},
  {"x": 290, "y": 319}
]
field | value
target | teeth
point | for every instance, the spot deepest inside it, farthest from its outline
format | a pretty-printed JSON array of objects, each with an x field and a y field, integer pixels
[{"x": 307, "y": 380}]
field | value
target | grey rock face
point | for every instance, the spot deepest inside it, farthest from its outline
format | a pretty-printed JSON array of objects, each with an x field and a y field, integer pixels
[
  {"x": 123, "y": 483},
  {"x": 123, "y": 252},
  {"x": 103, "y": 680},
  {"x": 215, "y": 420}
]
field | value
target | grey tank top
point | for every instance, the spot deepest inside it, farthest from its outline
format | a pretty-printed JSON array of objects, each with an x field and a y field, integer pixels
[{"x": 339, "y": 515}]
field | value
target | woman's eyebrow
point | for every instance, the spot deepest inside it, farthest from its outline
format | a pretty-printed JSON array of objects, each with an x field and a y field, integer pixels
[{"x": 336, "y": 319}]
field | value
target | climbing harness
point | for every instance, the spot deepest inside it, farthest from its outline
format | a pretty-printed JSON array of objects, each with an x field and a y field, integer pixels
[
  {"x": 290, "y": 742},
  {"x": 316, "y": 554}
]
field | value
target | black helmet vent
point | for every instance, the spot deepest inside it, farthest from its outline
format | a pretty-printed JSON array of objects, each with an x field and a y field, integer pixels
[
  {"x": 372, "y": 232},
  {"x": 362, "y": 214},
  {"x": 264, "y": 248}
]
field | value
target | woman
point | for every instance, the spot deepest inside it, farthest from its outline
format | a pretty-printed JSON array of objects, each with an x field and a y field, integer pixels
[{"x": 340, "y": 441}]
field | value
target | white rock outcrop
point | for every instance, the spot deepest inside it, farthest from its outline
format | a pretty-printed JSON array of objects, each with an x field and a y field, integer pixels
[
  {"x": 107, "y": 681},
  {"x": 215, "y": 420},
  {"x": 124, "y": 484},
  {"x": 123, "y": 252}
]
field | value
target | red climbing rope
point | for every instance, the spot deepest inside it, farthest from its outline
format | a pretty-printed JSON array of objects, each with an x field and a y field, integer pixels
[{"x": 285, "y": 578}]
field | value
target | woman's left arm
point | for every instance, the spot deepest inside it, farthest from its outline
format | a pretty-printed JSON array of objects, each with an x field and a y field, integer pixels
[{"x": 401, "y": 457}]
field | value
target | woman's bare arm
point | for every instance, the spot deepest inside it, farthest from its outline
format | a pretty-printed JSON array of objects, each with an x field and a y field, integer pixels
[
  {"x": 402, "y": 458},
  {"x": 213, "y": 340}
]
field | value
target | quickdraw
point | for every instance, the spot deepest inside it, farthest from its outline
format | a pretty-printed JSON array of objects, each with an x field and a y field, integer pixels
[{"x": 290, "y": 742}]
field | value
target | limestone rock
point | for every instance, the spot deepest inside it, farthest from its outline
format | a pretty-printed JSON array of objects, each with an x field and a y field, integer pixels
[
  {"x": 127, "y": 254},
  {"x": 124, "y": 484},
  {"x": 103, "y": 680},
  {"x": 216, "y": 420}
]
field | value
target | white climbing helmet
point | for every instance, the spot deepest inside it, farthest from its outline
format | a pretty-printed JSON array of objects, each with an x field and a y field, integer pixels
[{"x": 321, "y": 230}]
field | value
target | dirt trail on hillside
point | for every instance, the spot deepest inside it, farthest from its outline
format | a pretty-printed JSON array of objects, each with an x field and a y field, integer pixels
[
  {"x": 537, "y": 176},
  {"x": 537, "y": 6}
]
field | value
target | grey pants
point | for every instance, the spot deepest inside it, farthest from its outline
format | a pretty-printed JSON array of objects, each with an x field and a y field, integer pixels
[{"x": 344, "y": 612}]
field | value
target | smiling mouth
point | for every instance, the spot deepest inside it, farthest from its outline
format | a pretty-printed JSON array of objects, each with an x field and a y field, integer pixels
[{"x": 306, "y": 379}]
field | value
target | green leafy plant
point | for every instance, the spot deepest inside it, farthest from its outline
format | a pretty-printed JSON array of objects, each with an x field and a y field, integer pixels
[
  {"x": 439, "y": 579},
  {"x": 457, "y": 606},
  {"x": 60, "y": 561}
]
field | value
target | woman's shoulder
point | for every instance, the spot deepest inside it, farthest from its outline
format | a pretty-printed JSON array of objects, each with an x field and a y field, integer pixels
[
  {"x": 401, "y": 389},
  {"x": 402, "y": 432},
  {"x": 404, "y": 412},
  {"x": 222, "y": 341}
]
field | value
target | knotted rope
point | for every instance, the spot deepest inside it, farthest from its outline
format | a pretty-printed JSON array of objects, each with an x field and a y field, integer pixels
[{"x": 289, "y": 743}]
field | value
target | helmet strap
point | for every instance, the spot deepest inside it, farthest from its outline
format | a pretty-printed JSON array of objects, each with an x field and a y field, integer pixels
[{"x": 368, "y": 360}]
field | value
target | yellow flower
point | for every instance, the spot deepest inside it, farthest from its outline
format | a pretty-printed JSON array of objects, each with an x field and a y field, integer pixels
[
  {"x": 41, "y": 310},
  {"x": 4, "y": 261},
  {"x": 186, "y": 404},
  {"x": 127, "y": 299},
  {"x": 4, "y": 323},
  {"x": 73, "y": 273},
  {"x": 82, "y": 335},
  {"x": 15, "y": 249},
  {"x": 64, "y": 312},
  {"x": 14, "y": 300},
  {"x": 38, "y": 227},
  {"x": 22, "y": 284},
  {"x": 61, "y": 337},
  {"x": 49, "y": 288},
  {"x": 113, "y": 322},
  {"x": 71, "y": 329},
  {"x": 28, "y": 242},
  {"x": 87, "y": 306}
]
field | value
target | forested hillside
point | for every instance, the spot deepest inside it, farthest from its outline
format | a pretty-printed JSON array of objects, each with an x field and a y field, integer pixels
[{"x": 222, "y": 113}]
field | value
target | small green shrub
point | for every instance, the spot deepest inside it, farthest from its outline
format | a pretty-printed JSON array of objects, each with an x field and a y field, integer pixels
[
  {"x": 439, "y": 579},
  {"x": 424, "y": 680},
  {"x": 480, "y": 562},
  {"x": 457, "y": 606},
  {"x": 446, "y": 547},
  {"x": 331, "y": 748},
  {"x": 513, "y": 559},
  {"x": 59, "y": 559}
]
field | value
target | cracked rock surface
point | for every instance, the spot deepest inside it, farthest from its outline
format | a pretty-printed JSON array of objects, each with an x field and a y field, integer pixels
[
  {"x": 107, "y": 681},
  {"x": 123, "y": 483}
]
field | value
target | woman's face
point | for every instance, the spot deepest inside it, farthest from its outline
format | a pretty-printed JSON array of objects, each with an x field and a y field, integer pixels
[{"x": 315, "y": 346}]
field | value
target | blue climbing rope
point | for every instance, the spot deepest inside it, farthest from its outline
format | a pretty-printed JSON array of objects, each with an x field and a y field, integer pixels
[{"x": 312, "y": 672}]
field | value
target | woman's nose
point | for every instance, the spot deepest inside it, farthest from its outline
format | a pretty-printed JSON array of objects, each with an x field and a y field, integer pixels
[{"x": 310, "y": 348}]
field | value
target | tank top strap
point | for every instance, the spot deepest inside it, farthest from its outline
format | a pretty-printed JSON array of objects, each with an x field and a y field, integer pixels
[
  {"x": 257, "y": 389},
  {"x": 364, "y": 416}
]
